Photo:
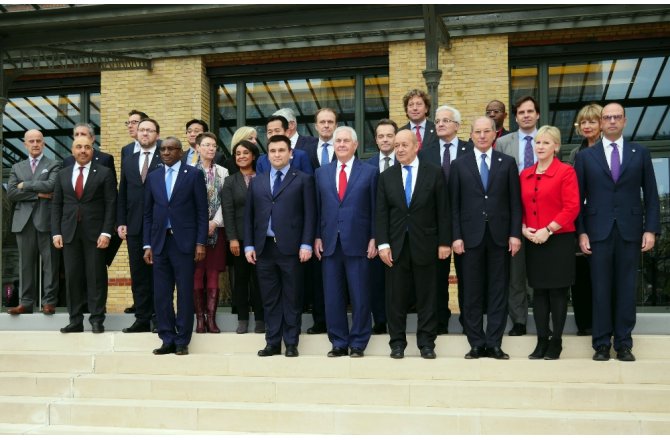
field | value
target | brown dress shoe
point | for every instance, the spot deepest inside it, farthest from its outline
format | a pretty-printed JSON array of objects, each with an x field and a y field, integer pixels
[
  {"x": 19, "y": 310},
  {"x": 48, "y": 309}
]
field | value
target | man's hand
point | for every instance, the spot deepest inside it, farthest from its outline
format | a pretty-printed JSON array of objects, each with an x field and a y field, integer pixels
[
  {"x": 45, "y": 195},
  {"x": 235, "y": 247},
  {"x": 58, "y": 241},
  {"x": 251, "y": 257},
  {"x": 122, "y": 231},
  {"x": 386, "y": 256},
  {"x": 103, "y": 242},
  {"x": 318, "y": 248},
  {"x": 585, "y": 244},
  {"x": 443, "y": 252},
  {"x": 648, "y": 241},
  {"x": 372, "y": 249},
  {"x": 458, "y": 246},
  {"x": 148, "y": 256},
  {"x": 305, "y": 255},
  {"x": 20, "y": 185},
  {"x": 514, "y": 245},
  {"x": 199, "y": 252}
]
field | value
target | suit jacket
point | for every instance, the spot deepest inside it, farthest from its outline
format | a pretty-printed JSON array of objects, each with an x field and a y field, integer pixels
[
  {"x": 99, "y": 158},
  {"x": 96, "y": 210},
  {"x": 233, "y": 199},
  {"x": 26, "y": 202},
  {"x": 292, "y": 208},
  {"x": 509, "y": 144},
  {"x": 432, "y": 154},
  {"x": 129, "y": 150},
  {"x": 311, "y": 148},
  {"x": 374, "y": 161},
  {"x": 187, "y": 209},
  {"x": 299, "y": 161},
  {"x": 426, "y": 219},
  {"x": 304, "y": 141},
  {"x": 353, "y": 218},
  {"x": 472, "y": 207},
  {"x": 130, "y": 210},
  {"x": 605, "y": 201},
  {"x": 430, "y": 138}
]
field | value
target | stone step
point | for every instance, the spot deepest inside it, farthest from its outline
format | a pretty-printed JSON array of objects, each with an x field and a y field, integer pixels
[
  {"x": 27, "y": 429},
  {"x": 347, "y": 419}
]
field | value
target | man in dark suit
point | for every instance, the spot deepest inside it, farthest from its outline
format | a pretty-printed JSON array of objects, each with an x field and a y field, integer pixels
[
  {"x": 134, "y": 118},
  {"x": 520, "y": 145},
  {"x": 30, "y": 188},
  {"x": 279, "y": 223},
  {"x": 417, "y": 108},
  {"x": 193, "y": 128},
  {"x": 82, "y": 222},
  {"x": 99, "y": 157},
  {"x": 175, "y": 234},
  {"x": 447, "y": 123},
  {"x": 486, "y": 212},
  {"x": 345, "y": 198},
  {"x": 614, "y": 226},
  {"x": 277, "y": 126},
  {"x": 130, "y": 218},
  {"x": 413, "y": 231},
  {"x": 298, "y": 141},
  {"x": 385, "y": 138},
  {"x": 496, "y": 111}
]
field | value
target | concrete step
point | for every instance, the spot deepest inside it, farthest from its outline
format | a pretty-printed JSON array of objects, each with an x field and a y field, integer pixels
[
  {"x": 348, "y": 419},
  {"x": 27, "y": 429}
]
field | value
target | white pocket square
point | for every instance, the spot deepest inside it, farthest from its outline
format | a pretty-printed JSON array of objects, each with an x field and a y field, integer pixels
[{"x": 44, "y": 171}]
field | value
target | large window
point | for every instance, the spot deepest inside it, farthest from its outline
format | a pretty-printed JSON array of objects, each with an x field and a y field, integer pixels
[{"x": 360, "y": 98}]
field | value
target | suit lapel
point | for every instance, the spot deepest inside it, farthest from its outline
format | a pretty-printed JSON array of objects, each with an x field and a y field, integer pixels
[
  {"x": 496, "y": 161},
  {"x": 601, "y": 159},
  {"x": 181, "y": 176},
  {"x": 290, "y": 175},
  {"x": 628, "y": 156},
  {"x": 471, "y": 163},
  {"x": 91, "y": 180},
  {"x": 420, "y": 179},
  {"x": 353, "y": 177}
]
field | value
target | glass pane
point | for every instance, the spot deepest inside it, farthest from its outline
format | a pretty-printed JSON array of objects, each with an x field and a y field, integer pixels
[
  {"x": 564, "y": 120},
  {"x": 376, "y": 108},
  {"x": 633, "y": 117},
  {"x": 620, "y": 81},
  {"x": 645, "y": 78},
  {"x": 663, "y": 86},
  {"x": 524, "y": 81},
  {"x": 650, "y": 120},
  {"x": 664, "y": 131}
]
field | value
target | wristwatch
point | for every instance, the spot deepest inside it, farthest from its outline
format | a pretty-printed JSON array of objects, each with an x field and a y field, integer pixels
[{"x": 549, "y": 230}]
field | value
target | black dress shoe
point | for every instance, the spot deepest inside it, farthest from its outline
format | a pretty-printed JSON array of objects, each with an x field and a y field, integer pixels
[
  {"x": 428, "y": 353},
  {"x": 138, "y": 327},
  {"x": 540, "y": 348},
  {"x": 165, "y": 349},
  {"x": 73, "y": 328},
  {"x": 602, "y": 353},
  {"x": 130, "y": 309},
  {"x": 475, "y": 353},
  {"x": 181, "y": 350},
  {"x": 517, "y": 330},
  {"x": 356, "y": 353},
  {"x": 291, "y": 351},
  {"x": 379, "y": 328},
  {"x": 269, "y": 350},
  {"x": 316, "y": 329},
  {"x": 496, "y": 353},
  {"x": 337, "y": 352},
  {"x": 97, "y": 327},
  {"x": 397, "y": 353},
  {"x": 625, "y": 355}
]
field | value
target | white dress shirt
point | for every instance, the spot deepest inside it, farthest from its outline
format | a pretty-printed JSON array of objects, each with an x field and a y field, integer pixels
[
  {"x": 608, "y": 150},
  {"x": 331, "y": 149},
  {"x": 347, "y": 171}
]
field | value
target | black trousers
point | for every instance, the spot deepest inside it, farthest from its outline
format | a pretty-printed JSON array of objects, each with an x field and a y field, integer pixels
[
  {"x": 582, "y": 296},
  {"x": 142, "y": 279},
  {"x": 552, "y": 302},
  {"x": 245, "y": 289}
]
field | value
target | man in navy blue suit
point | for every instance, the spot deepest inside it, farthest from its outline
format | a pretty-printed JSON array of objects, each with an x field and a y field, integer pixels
[
  {"x": 133, "y": 122},
  {"x": 346, "y": 190},
  {"x": 298, "y": 141},
  {"x": 175, "y": 233},
  {"x": 277, "y": 126},
  {"x": 614, "y": 225},
  {"x": 279, "y": 219}
]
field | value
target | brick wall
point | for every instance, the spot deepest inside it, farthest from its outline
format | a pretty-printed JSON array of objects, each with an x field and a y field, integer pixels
[{"x": 591, "y": 35}]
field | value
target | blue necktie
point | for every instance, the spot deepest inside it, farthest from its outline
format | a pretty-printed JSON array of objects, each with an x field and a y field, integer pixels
[
  {"x": 484, "y": 171},
  {"x": 528, "y": 157},
  {"x": 325, "y": 158},
  {"x": 408, "y": 184},
  {"x": 277, "y": 183},
  {"x": 168, "y": 189}
]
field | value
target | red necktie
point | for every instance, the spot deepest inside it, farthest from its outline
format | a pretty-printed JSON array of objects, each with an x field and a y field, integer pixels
[
  {"x": 79, "y": 185},
  {"x": 343, "y": 182},
  {"x": 418, "y": 135}
]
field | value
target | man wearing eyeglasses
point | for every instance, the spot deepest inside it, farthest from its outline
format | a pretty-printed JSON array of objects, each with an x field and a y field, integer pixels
[
  {"x": 496, "y": 111},
  {"x": 614, "y": 226},
  {"x": 134, "y": 118},
  {"x": 193, "y": 128},
  {"x": 130, "y": 212},
  {"x": 447, "y": 123}
]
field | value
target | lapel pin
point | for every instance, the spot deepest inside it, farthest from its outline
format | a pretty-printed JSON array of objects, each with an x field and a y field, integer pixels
[
  {"x": 499, "y": 159},
  {"x": 633, "y": 150},
  {"x": 95, "y": 171}
]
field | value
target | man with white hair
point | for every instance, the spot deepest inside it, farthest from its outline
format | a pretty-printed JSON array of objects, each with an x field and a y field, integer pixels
[{"x": 298, "y": 140}]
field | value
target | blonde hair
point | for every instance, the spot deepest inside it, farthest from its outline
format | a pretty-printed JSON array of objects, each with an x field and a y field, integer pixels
[
  {"x": 591, "y": 112},
  {"x": 551, "y": 131},
  {"x": 241, "y": 134}
]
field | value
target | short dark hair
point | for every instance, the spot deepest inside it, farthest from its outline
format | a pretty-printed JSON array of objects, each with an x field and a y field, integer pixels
[
  {"x": 425, "y": 97},
  {"x": 253, "y": 148},
  {"x": 205, "y": 127},
  {"x": 137, "y": 112},
  {"x": 280, "y": 138},
  {"x": 283, "y": 120},
  {"x": 386, "y": 121},
  {"x": 523, "y": 99},
  {"x": 153, "y": 121},
  {"x": 205, "y": 134}
]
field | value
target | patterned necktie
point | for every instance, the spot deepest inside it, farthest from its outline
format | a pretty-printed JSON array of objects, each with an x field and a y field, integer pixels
[
  {"x": 446, "y": 161},
  {"x": 528, "y": 159},
  {"x": 79, "y": 185},
  {"x": 484, "y": 172},
  {"x": 33, "y": 165},
  {"x": 325, "y": 157},
  {"x": 277, "y": 183},
  {"x": 145, "y": 167},
  {"x": 194, "y": 158},
  {"x": 387, "y": 163},
  {"x": 343, "y": 182},
  {"x": 408, "y": 184},
  {"x": 615, "y": 162},
  {"x": 418, "y": 135}
]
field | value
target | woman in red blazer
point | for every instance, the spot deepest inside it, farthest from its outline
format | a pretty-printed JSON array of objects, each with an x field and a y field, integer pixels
[{"x": 550, "y": 198}]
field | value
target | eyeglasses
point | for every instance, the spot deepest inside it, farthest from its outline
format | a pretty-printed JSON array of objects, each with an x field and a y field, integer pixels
[
  {"x": 612, "y": 117},
  {"x": 128, "y": 123},
  {"x": 212, "y": 145},
  {"x": 146, "y": 130},
  {"x": 446, "y": 121},
  {"x": 164, "y": 149}
]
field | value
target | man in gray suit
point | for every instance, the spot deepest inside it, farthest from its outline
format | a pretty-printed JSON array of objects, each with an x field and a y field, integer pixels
[
  {"x": 519, "y": 144},
  {"x": 31, "y": 184}
]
